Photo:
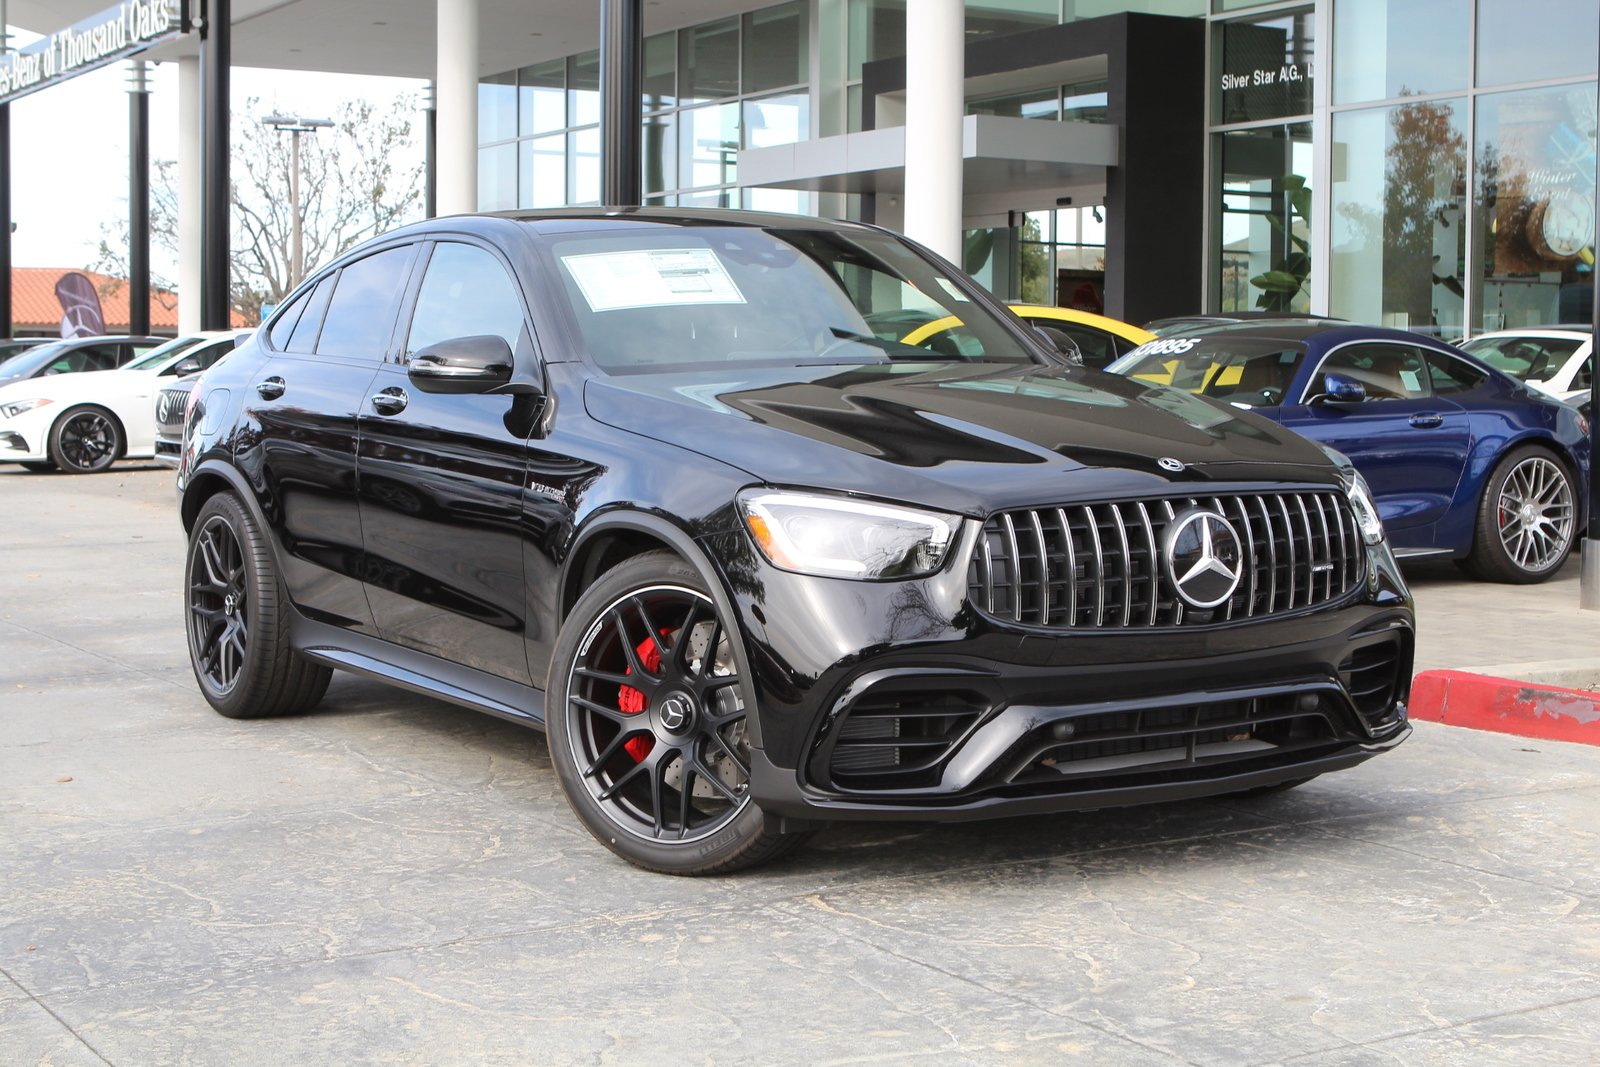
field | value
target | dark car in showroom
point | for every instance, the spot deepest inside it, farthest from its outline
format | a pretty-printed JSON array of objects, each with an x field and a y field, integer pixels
[
  {"x": 648, "y": 480},
  {"x": 1463, "y": 460}
]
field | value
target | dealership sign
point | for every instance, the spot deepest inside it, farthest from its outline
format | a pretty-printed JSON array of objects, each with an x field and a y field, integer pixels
[{"x": 114, "y": 34}]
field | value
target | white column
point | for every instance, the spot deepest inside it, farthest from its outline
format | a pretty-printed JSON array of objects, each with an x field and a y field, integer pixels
[
  {"x": 457, "y": 101},
  {"x": 936, "y": 38},
  {"x": 189, "y": 221}
]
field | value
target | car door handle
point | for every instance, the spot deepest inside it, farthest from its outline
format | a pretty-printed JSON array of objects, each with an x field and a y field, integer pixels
[
  {"x": 1426, "y": 420},
  {"x": 271, "y": 388},
  {"x": 390, "y": 401}
]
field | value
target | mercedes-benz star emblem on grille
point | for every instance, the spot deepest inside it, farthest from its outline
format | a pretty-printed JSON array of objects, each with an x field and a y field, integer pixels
[
  {"x": 1167, "y": 463},
  {"x": 1203, "y": 558}
]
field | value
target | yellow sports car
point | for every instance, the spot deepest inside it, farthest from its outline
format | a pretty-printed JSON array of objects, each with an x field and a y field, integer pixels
[{"x": 1099, "y": 338}]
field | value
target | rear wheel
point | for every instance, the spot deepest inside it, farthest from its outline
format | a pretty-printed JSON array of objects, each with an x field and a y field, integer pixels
[
  {"x": 85, "y": 440},
  {"x": 239, "y": 621},
  {"x": 647, "y": 724},
  {"x": 1527, "y": 520}
]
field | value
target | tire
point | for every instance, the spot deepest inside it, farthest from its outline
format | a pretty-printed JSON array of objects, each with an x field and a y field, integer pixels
[
  {"x": 238, "y": 620},
  {"x": 85, "y": 440},
  {"x": 38, "y": 466},
  {"x": 648, "y": 737},
  {"x": 1527, "y": 520}
]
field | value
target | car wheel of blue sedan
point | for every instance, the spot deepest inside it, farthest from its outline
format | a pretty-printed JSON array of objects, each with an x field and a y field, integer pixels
[{"x": 1527, "y": 521}]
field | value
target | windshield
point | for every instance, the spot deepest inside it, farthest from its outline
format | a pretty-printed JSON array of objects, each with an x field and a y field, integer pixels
[
  {"x": 30, "y": 360},
  {"x": 672, "y": 298},
  {"x": 1248, "y": 370},
  {"x": 163, "y": 352},
  {"x": 13, "y": 348},
  {"x": 1532, "y": 359}
]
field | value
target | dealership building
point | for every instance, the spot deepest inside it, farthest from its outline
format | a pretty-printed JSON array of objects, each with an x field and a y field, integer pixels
[{"x": 1422, "y": 163}]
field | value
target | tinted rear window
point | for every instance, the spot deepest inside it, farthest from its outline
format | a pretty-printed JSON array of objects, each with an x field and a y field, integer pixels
[{"x": 361, "y": 314}]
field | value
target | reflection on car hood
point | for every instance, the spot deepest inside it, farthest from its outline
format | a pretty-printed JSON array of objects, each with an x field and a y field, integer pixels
[{"x": 966, "y": 437}]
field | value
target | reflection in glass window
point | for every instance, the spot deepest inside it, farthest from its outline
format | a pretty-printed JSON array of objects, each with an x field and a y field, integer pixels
[
  {"x": 1265, "y": 231},
  {"x": 497, "y": 177},
  {"x": 583, "y": 89},
  {"x": 1085, "y": 102},
  {"x": 660, "y": 152},
  {"x": 787, "y": 201},
  {"x": 497, "y": 107},
  {"x": 304, "y": 338},
  {"x": 1535, "y": 199},
  {"x": 1264, "y": 68},
  {"x": 776, "y": 120},
  {"x": 708, "y": 61},
  {"x": 465, "y": 293},
  {"x": 877, "y": 31},
  {"x": 1039, "y": 104},
  {"x": 583, "y": 166},
  {"x": 660, "y": 71},
  {"x": 362, "y": 312},
  {"x": 543, "y": 172},
  {"x": 1398, "y": 223},
  {"x": 542, "y": 97},
  {"x": 709, "y": 145},
  {"x": 1518, "y": 41},
  {"x": 1376, "y": 54},
  {"x": 1528, "y": 357},
  {"x": 1387, "y": 372},
  {"x": 775, "y": 47}
]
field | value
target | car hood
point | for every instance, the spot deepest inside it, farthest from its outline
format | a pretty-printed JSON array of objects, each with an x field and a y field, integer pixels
[
  {"x": 81, "y": 385},
  {"x": 964, "y": 437}
]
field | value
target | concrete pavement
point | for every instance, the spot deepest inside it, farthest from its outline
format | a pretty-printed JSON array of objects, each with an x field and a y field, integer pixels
[{"x": 393, "y": 880}]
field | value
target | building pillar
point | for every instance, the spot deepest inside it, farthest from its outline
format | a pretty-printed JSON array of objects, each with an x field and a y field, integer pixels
[
  {"x": 934, "y": 106},
  {"x": 430, "y": 155},
  {"x": 5, "y": 195},
  {"x": 189, "y": 198},
  {"x": 138, "y": 200},
  {"x": 216, "y": 58},
  {"x": 621, "y": 107},
  {"x": 456, "y": 99}
]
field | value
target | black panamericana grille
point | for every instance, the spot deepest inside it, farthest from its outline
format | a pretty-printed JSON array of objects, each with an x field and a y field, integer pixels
[
  {"x": 169, "y": 406},
  {"x": 1088, "y": 566}
]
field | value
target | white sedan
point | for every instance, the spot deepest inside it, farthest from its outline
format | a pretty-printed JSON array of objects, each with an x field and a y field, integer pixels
[
  {"x": 1554, "y": 359},
  {"x": 82, "y": 423}
]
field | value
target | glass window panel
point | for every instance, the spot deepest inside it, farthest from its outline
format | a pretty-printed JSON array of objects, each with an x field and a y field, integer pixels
[
  {"x": 1264, "y": 68},
  {"x": 543, "y": 172},
  {"x": 497, "y": 177},
  {"x": 660, "y": 152},
  {"x": 543, "y": 97},
  {"x": 497, "y": 107},
  {"x": 877, "y": 31},
  {"x": 1093, "y": 9},
  {"x": 1092, "y": 225},
  {"x": 583, "y": 166},
  {"x": 788, "y": 201},
  {"x": 362, "y": 312},
  {"x": 1239, "y": 5},
  {"x": 1376, "y": 54},
  {"x": 708, "y": 145},
  {"x": 1518, "y": 41},
  {"x": 855, "y": 119},
  {"x": 1535, "y": 203},
  {"x": 775, "y": 47},
  {"x": 708, "y": 61},
  {"x": 583, "y": 89},
  {"x": 1084, "y": 102},
  {"x": 1265, "y": 229},
  {"x": 304, "y": 338},
  {"x": 1037, "y": 277},
  {"x": 1389, "y": 372},
  {"x": 1038, "y": 104},
  {"x": 776, "y": 120},
  {"x": 992, "y": 18},
  {"x": 465, "y": 293},
  {"x": 1398, "y": 225},
  {"x": 660, "y": 71},
  {"x": 714, "y": 198}
]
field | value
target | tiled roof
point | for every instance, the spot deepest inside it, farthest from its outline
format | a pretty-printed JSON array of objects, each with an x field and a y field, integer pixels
[{"x": 34, "y": 305}]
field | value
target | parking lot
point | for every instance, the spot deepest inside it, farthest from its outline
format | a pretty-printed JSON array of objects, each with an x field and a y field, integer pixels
[{"x": 392, "y": 879}]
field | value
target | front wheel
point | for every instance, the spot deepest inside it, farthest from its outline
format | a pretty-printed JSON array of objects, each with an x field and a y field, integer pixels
[
  {"x": 85, "y": 440},
  {"x": 647, "y": 724},
  {"x": 1527, "y": 519}
]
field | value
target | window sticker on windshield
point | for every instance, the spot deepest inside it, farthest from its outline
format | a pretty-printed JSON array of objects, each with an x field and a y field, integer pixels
[{"x": 657, "y": 277}]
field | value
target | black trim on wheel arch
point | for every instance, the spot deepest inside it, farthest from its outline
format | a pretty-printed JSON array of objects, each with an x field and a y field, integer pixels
[
  {"x": 239, "y": 484},
  {"x": 691, "y": 553}
]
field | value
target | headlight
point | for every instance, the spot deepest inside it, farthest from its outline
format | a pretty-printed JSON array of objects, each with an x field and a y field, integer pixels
[
  {"x": 11, "y": 411},
  {"x": 1365, "y": 510},
  {"x": 838, "y": 537}
]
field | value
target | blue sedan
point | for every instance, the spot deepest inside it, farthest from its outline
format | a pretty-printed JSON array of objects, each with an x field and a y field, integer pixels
[{"x": 1462, "y": 460}]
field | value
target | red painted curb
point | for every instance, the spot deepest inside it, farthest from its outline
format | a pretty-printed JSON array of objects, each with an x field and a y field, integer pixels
[{"x": 1480, "y": 702}]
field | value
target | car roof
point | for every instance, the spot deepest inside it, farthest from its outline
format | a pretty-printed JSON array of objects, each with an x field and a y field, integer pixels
[{"x": 1539, "y": 331}]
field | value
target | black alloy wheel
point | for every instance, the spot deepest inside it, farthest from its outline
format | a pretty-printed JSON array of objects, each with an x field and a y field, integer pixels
[
  {"x": 85, "y": 440},
  {"x": 648, "y": 723},
  {"x": 238, "y": 621},
  {"x": 1527, "y": 521}
]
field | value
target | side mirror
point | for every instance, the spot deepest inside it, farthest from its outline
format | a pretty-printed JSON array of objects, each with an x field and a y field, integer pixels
[
  {"x": 1338, "y": 389},
  {"x": 185, "y": 367},
  {"x": 1063, "y": 345},
  {"x": 478, "y": 364}
]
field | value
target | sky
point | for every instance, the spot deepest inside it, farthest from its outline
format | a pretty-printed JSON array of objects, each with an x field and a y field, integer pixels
[{"x": 69, "y": 147}]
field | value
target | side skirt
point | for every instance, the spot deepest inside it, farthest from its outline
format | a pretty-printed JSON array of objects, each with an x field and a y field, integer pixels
[{"x": 418, "y": 672}]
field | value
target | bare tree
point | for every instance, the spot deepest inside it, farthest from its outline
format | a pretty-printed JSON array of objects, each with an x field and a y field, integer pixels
[{"x": 354, "y": 184}]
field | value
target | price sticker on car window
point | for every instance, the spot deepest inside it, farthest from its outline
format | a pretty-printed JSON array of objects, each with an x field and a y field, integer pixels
[{"x": 656, "y": 277}]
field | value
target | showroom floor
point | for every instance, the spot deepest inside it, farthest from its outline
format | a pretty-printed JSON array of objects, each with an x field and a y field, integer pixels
[{"x": 391, "y": 880}]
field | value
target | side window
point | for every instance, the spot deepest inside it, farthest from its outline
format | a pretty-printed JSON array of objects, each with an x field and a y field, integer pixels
[
  {"x": 304, "y": 337},
  {"x": 1583, "y": 378},
  {"x": 1451, "y": 375},
  {"x": 1389, "y": 372},
  {"x": 365, "y": 298},
  {"x": 1096, "y": 347},
  {"x": 283, "y": 327},
  {"x": 466, "y": 292}
]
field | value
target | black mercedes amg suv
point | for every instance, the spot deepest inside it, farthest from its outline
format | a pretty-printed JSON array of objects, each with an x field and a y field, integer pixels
[{"x": 669, "y": 485}]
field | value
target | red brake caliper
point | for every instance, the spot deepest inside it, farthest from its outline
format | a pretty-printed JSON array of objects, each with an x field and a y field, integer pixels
[{"x": 631, "y": 701}]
